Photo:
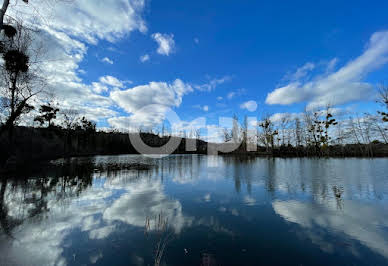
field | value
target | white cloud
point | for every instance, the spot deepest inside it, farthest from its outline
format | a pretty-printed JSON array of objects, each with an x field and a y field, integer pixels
[
  {"x": 112, "y": 81},
  {"x": 220, "y": 98},
  {"x": 236, "y": 93},
  {"x": 300, "y": 72},
  {"x": 107, "y": 60},
  {"x": 99, "y": 88},
  {"x": 166, "y": 43},
  {"x": 161, "y": 93},
  {"x": 145, "y": 118},
  {"x": 212, "y": 84},
  {"x": 144, "y": 58},
  {"x": 343, "y": 86},
  {"x": 67, "y": 30},
  {"x": 107, "y": 83},
  {"x": 148, "y": 103},
  {"x": 331, "y": 65},
  {"x": 90, "y": 20},
  {"x": 202, "y": 107},
  {"x": 251, "y": 106},
  {"x": 231, "y": 95}
]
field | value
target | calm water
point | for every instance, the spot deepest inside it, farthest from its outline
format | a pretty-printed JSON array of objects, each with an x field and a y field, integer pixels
[{"x": 202, "y": 210}]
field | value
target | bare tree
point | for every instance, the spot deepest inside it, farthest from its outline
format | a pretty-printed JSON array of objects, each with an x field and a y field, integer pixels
[
  {"x": 70, "y": 118},
  {"x": 197, "y": 133},
  {"x": 383, "y": 94},
  {"x": 3, "y": 10},
  {"x": 283, "y": 127},
  {"x": 227, "y": 134},
  {"x": 269, "y": 133},
  {"x": 21, "y": 79},
  {"x": 235, "y": 130},
  {"x": 298, "y": 132}
]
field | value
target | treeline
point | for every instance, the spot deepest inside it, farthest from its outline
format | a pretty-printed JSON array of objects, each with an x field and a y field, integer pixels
[
  {"x": 31, "y": 145},
  {"x": 317, "y": 133}
]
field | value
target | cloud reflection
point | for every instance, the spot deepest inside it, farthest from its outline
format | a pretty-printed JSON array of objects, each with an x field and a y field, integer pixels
[
  {"x": 146, "y": 199},
  {"x": 360, "y": 221}
]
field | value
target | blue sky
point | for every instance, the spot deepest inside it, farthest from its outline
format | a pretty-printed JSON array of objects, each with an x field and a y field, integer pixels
[{"x": 315, "y": 52}]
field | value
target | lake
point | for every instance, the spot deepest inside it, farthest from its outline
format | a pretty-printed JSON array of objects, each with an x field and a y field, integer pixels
[{"x": 197, "y": 210}]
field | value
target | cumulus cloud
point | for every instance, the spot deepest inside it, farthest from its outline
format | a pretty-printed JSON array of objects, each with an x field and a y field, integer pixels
[
  {"x": 144, "y": 58},
  {"x": 99, "y": 88},
  {"x": 158, "y": 96},
  {"x": 338, "y": 87},
  {"x": 90, "y": 20},
  {"x": 166, "y": 43},
  {"x": 66, "y": 39},
  {"x": 251, "y": 106},
  {"x": 112, "y": 81},
  {"x": 161, "y": 93},
  {"x": 145, "y": 118},
  {"x": 107, "y": 83}
]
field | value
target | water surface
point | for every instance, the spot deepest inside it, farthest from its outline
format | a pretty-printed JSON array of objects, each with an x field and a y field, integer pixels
[{"x": 220, "y": 210}]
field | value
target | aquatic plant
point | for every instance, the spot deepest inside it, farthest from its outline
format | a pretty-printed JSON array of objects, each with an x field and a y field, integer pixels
[{"x": 161, "y": 232}]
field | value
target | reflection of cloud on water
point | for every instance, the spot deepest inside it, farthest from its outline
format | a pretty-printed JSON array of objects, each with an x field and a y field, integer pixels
[
  {"x": 362, "y": 222},
  {"x": 94, "y": 258},
  {"x": 146, "y": 199},
  {"x": 250, "y": 201},
  {"x": 94, "y": 211},
  {"x": 207, "y": 197},
  {"x": 102, "y": 232},
  {"x": 41, "y": 241}
]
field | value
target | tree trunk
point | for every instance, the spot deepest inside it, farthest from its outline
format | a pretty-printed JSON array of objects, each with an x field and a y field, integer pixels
[{"x": 2, "y": 12}]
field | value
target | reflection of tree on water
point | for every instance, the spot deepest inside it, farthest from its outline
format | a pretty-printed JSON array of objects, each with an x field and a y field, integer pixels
[
  {"x": 313, "y": 177},
  {"x": 24, "y": 199},
  {"x": 182, "y": 169},
  {"x": 338, "y": 191},
  {"x": 68, "y": 197},
  {"x": 243, "y": 170},
  {"x": 271, "y": 178},
  {"x": 7, "y": 223}
]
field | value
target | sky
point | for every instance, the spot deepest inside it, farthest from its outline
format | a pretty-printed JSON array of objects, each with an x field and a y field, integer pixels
[{"x": 126, "y": 63}]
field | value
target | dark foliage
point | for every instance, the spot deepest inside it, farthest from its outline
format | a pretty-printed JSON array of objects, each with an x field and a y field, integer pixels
[
  {"x": 48, "y": 113},
  {"x": 9, "y": 31},
  {"x": 37, "y": 144},
  {"x": 15, "y": 61}
]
